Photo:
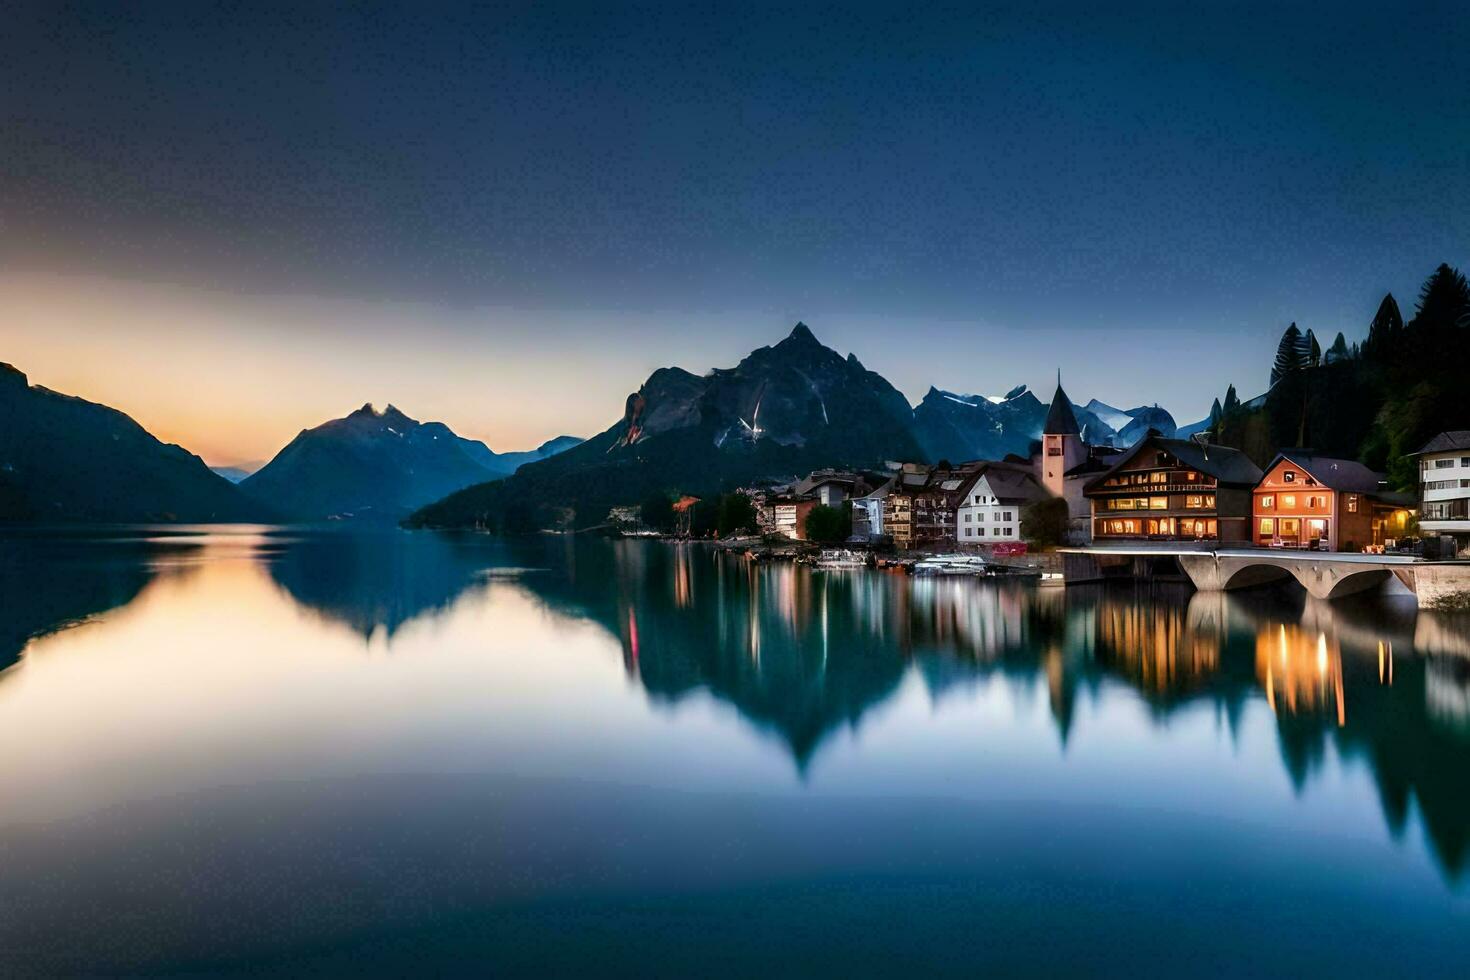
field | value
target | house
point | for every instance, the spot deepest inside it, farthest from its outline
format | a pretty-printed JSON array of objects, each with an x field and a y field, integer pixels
[
  {"x": 1309, "y": 501},
  {"x": 919, "y": 510},
  {"x": 788, "y": 514},
  {"x": 1444, "y": 486},
  {"x": 1174, "y": 490},
  {"x": 990, "y": 503},
  {"x": 831, "y": 487},
  {"x": 867, "y": 513}
]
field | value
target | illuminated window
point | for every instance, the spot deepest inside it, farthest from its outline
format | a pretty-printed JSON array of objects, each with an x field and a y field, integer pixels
[
  {"x": 1268, "y": 501},
  {"x": 1158, "y": 478},
  {"x": 1288, "y": 501},
  {"x": 1268, "y": 527},
  {"x": 1158, "y": 503},
  {"x": 1352, "y": 503},
  {"x": 1123, "y": 503}
]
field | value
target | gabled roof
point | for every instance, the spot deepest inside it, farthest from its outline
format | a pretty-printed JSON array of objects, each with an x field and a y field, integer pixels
[
  {"x": 1012, "y": 486},
  {"x": 1010, "y": 482},
  {"x": 1060, "y": 419},
  {"x": 1446, "y": 442},
  {"x": 1334, "y": 474},
  {"x": 1227, "y": 466}
]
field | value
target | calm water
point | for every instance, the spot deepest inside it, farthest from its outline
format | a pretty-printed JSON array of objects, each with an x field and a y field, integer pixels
[{"x": 249, "y": 750}]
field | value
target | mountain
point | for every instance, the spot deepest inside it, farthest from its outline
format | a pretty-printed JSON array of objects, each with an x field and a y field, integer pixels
[
  {"x": 374, "y": 465},
  {"x": 1116, "y": 418},
  {"x": 962, "y": 427},
  {"x": 237, "y": 473},
  {"x": 66, "y": 459},
  {"x": 505, "y": 464},
  {"x": 780, "y": 412},
  {"x": 1144, "y": 419}
]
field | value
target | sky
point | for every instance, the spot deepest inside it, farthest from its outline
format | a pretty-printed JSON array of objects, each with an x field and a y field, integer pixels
[{"x": 237, "y": 221}]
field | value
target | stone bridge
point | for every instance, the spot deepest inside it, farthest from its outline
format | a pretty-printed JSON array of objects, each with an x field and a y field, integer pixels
[{"x": 1325, "y": 575}]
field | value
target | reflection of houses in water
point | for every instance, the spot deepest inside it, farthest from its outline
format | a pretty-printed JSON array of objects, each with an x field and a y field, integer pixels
[
  {"x": 1161, "y": 647},
  {"x": 1447, "y": 694},
  {"x": 1444, "y": 634},
  {"x": 1300, "y": 670}
]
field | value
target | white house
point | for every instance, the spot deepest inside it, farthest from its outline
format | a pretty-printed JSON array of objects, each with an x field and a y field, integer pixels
[
  {"x": 989, "y": 511},
  {"x": 1444, "y": 486}
]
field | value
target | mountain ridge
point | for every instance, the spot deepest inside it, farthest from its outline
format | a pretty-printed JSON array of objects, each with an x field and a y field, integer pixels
[{"x": 64, "y": 458}]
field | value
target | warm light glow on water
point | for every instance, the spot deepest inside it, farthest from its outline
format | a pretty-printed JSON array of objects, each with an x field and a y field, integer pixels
[{"x": 423, "y": 746}]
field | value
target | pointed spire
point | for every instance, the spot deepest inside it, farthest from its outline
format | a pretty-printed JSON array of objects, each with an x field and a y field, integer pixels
[{"x": 1060, "y": 419}]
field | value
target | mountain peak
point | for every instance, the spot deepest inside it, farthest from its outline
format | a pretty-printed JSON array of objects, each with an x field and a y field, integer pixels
[
  {"x": 10, "y": 374},
  {"x": 801, "y": 335}
]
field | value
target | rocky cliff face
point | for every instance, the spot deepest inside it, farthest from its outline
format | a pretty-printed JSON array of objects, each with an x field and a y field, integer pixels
[
  {"x": 783, "y": 410},
  {"x": 796, "y": 393}
]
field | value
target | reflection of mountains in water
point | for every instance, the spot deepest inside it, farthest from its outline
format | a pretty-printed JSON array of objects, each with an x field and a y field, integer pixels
[
  {"x": 379, "y": 580},
  {"x": 805, "y": 654},
  {"x": 49, "y": 583}
]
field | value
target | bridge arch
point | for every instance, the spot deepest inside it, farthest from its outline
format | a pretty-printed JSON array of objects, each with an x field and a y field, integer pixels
[{"x": 1250, "y": 575}]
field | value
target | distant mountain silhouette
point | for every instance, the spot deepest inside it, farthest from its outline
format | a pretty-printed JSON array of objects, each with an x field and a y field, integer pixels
[
  {"x": 65, "y": 459},
  {"x": 959, "y": 427},
  {"x": 377, "y": 466},
  {"x": 781, "y": 411},
  {"x": 237, "y": 473}
]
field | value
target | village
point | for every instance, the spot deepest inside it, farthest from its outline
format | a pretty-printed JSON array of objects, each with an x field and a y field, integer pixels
[{"x": 1160, "y": 492}]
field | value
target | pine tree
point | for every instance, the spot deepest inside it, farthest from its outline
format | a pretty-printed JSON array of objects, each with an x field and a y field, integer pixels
[
  {"x": 1444, "y": 299},
  {"x": 1232, "y": 400},
  {"x": 1314, "y": 350},
  {"x": 1385, "y": 331},
  {"x": 1338, "y": 351},
  {"x": 1294, "y": 353}
]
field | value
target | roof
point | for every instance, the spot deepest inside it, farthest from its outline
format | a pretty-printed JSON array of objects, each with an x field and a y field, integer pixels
[
  {"x": 1060, "y": 419},
  {"x": 1446, "y": 442},
  {"x": 1013, "y": 486},
  {"x": 1230, "y": 466},
  {"x": 1334, "y": 474}
]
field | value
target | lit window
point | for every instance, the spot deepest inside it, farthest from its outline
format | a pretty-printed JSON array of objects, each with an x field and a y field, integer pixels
[
  {"x": 1158, "y": 503},
  {"x": 1268, "y": 501},
  {"x": 1288, "y": 501},
  {"x": 1268, "y": 527},
  {"x": 1352, "y": 503}
]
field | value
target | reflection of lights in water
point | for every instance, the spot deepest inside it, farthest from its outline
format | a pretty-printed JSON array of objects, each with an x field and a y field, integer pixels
[
  {"x": 1300, "y": 671},
  {"x": 1157, "y": 646},
  {"x": 1385, "y": 663},
  {"x": 633, "y": 639},
  {"x": 683, "y": 578}
]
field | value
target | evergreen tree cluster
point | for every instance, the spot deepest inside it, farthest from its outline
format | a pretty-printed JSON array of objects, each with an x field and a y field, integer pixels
[{"x": 1375, "y": 402}]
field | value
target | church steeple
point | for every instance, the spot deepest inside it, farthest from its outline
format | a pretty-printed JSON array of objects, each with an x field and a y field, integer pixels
[{"x": 1060, "y": 419}]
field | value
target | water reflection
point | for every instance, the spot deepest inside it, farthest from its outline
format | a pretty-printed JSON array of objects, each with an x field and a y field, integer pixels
[{"x": 805, "y": 655}]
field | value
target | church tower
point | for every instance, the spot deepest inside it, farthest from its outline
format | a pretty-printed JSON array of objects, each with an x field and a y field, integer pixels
[{"x": 1061, "y": 443}]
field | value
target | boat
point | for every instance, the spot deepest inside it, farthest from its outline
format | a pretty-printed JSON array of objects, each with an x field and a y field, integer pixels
[
  {"x": 952, "y": 565},
  {"x": 842, "y": 558}
]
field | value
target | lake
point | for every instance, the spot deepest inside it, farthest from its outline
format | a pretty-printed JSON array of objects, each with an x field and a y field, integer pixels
[{"x": 275, "y": 750}]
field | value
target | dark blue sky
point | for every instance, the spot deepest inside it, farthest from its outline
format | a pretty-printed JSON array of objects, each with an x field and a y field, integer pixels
[{"x": 928, "y": 188}]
